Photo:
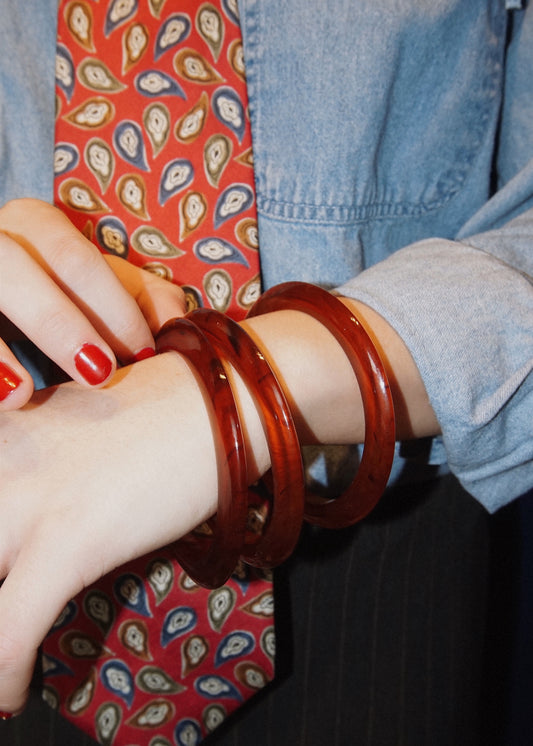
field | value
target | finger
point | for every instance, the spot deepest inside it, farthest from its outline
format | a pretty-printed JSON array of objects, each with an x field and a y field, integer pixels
[
  {"x": 158, "y": 299},
  {"x": 31, "y": 598},
  {"x": 80, "y": 271},
  {"x": 16, "y": 384},
  {"x": 40, "y": 309}
]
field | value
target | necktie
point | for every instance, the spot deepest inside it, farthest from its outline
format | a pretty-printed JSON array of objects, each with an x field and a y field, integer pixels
[
  {"x": 153, "y": 146},
  {"x": 154, "y": 164}
]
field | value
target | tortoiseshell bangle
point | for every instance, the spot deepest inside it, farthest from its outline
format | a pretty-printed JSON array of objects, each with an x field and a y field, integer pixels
[
  {"x": 281, "y": 529},
  {"x": 371, "y": 478},
  {"x": 210, "y": 557}
]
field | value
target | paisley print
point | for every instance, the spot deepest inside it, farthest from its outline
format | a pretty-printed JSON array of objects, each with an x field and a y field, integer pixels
[
  {"x": 112, "y": 236},
  {"x": 228, "y": 108},
  {"x": 134, "y": 45},
  {"x": 139, "y": 84},
  {"x": 153, "y": 162},
  {"x": 193, "y": 652},
  {"x": 81, "y": 698},
  {"x": 172, "y": 32},
  {"x": 81, "y": 197},
  {"x": 156, "y": 681},
  {"x": 154, "y": 84},
  {"x": 193, "y": 210},
  {"x": 117, "y": 678},
  {"x": 93, "y": 74},
  {"x": 133, "y": 635},
  {"x": 129, "y": 590},
  {"x": 215, "y": 250},
  {"x": 124, "y": 677},
  {"x": 218, "y": 286},
  {"x": 234, "y": 645},
  {"x": 188, "y": 733},
  {"x": 93, "y": 113},
  {"x": 99, "y": 609},
  {"x": 177, "y": 622},
  {"x": 66, "y": 157},
  {"x": 217, "y": 152},
  {"x": 161, "y": 578},
  {"x": 131, "y": 190},
  {"x": 152, "y": 242},
  {"x": 213, "y": 716},
  {"x": 80, "y": 21},
  {"x": 101, "y": 161},
  {"x": 156, "y": 121},
  {"x": 108, "y": 718}
]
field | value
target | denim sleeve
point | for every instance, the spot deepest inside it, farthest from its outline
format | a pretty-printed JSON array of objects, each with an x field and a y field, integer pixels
[
  {"x": 467, "y": 317},
  {"x": 27, "y": 54},
  {"x": 465, "y": 309}
]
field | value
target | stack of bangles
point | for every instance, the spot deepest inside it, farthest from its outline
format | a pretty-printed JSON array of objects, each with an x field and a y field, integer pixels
[{"x": 209, "y": 340}]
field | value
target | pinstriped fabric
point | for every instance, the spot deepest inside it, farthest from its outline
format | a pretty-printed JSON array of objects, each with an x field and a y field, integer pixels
[{"x": 386, "y": 627}]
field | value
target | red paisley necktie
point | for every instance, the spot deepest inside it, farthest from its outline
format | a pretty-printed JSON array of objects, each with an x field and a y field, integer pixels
[{"x": 154, "y": 164}]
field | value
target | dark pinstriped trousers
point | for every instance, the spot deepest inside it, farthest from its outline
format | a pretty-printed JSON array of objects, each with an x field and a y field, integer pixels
[{"x": 381, "y": 635}]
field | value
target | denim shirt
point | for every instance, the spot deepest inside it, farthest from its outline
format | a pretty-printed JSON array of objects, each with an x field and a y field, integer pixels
[{"x": 393, "y": 153}]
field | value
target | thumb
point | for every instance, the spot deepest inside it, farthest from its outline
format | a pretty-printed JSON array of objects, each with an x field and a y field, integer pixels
[
  {"x": 30, "y": 602},
  {"x": 158, "y": 299}
]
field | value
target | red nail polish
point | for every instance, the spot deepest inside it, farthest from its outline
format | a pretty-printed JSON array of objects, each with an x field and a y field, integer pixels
[
  {"x": 93, "y": 364},
  {"x": 143, "y": 354},
  {"x": 6, "y": 715},
  {"x": 9, "y": 381}
]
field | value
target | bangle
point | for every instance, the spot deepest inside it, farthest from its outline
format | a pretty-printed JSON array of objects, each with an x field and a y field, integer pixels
[
  {"x": 201, "y": 338},
  {"x": 210, "y": 557},
  {"x": 371, "y": 478},
  {"x": 282, "y": 526}
]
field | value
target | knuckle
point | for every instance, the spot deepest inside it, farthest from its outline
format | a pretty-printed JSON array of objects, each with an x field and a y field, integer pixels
[
  {"x": 57, "y": 323},
  {"x": 159, "y": 285},
  {"x": 76, "y": 257},
  {"x": 131, "y": 327},
  {"x": 14, "y": 209}
]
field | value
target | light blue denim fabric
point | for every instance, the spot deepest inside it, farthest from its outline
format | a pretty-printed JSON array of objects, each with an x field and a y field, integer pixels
[
  {"x": 27, "y": 53},
  {"x": 375, "y": 129}
]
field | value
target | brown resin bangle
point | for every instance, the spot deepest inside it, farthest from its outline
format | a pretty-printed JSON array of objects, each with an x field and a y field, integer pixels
[
  {"x": 210, "y": 558},
  {"x": 282, "y": 526},
  {"x": 371, "y": 478}
]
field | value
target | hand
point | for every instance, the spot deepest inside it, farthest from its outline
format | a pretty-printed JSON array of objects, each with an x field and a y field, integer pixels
[
  {"x": 90, "y": 479},
  {"x": 82, "y": 311}
]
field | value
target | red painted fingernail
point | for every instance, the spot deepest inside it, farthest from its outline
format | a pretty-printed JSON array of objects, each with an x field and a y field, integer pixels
[
  {"x": 143, "y": 354},
  {"x": 9, "y": 381},
  {"x": 6, "y": 715},
  {"x": 93, "y": 364}
]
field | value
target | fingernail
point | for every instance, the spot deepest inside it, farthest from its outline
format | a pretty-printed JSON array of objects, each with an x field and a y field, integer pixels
[
  {"x": 9, "y": 381},
  {"x": 143, "y": 354},
  {"x": 6, "y": 715},
  {"x": 93, "y": 364}
]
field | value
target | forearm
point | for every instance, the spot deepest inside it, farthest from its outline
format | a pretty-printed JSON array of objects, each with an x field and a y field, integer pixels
[
  {"x": 150, "y": 432},
  {"x": 320, "y": 383}
]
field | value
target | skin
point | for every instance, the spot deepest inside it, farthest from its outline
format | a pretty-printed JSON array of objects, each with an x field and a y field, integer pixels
[
  {"x": 70, "y": 292},
  {"x": 57, "y": 519}
]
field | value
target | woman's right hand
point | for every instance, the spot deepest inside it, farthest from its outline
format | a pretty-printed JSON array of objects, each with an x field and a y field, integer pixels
[{"x": 82, "y": 311}]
